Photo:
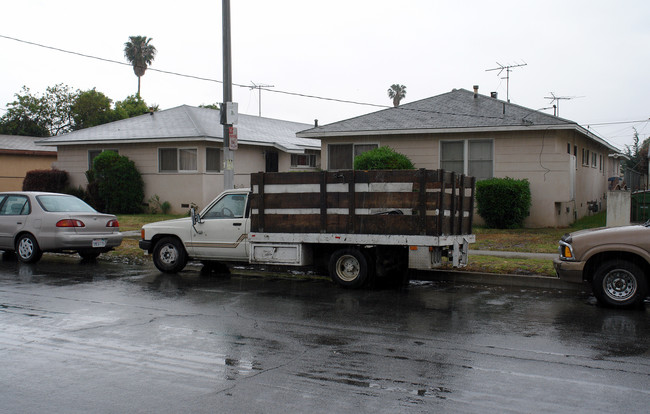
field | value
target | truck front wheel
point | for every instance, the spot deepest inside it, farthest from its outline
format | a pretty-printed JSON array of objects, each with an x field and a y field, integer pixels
[
  {"x": 619, "y": 283},
  {"x": 348, "y": 268},
  {"x": 169, "y": 255}
]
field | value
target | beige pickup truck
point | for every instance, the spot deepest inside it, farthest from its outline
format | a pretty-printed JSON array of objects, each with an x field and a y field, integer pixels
[{"x": 616, "y": 261}]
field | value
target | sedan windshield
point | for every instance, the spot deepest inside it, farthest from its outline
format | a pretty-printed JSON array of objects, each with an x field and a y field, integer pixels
[{"x": 63, "y": 204}]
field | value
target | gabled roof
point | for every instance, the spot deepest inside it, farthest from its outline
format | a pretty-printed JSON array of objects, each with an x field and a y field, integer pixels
[
  {"x": 188, "y": 123},
  {"x": 456, "y": 111},
  {"x": 18, "y": 144}
]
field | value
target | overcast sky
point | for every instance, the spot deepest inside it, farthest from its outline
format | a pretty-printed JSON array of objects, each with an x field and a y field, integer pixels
[{"x": 595, "y": 52}]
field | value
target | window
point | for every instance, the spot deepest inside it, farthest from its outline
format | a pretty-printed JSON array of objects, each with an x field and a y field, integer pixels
[
  {"x": 594, "y": 160},
  {"x": 568, "y": 148},
  {"x": 15, "y": 205},
  {"x": 212, "y": 159},
  {"x": 303, "y": 160},
  {"x": 341, "y": 156},
  {"x": 472, "y": 157},
  {"x": 585, "y": 157},
  {"x": 177, "y": 160},
  {"x": 600, "y": 157},
  {"x": 229, "y": 207},
  {"x": 92, "y": 154}
]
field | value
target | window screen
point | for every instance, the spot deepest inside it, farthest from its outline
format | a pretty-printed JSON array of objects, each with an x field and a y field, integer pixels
[
  {"x": 452, "y": 156},
  {"x": 212, "y": 159},
  {"x": 167, "y": 159},
  {"x": 339, "y": 157},
  {"x": 480, "y": 159}
]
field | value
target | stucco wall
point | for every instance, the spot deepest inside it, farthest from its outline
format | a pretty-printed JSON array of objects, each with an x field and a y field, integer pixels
[
  {"x": 561, "y": 188},
  {"x": 180, "y": 189},
  {"x": 14, "y": 167}
]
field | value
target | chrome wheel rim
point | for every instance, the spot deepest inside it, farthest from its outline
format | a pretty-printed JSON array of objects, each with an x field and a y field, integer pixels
[
  {"x": 619, "y": 285},
  {"x": 348, "y": 268},
  {"x": 26, "y": 248},
  {"x": 168, "y": 254}
]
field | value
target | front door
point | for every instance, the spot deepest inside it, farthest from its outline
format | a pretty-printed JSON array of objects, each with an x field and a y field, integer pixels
[
  {"x": 222, "y": 232},
  {"x": 13, "y": 216},
  {"x": 271, "y": 161}
]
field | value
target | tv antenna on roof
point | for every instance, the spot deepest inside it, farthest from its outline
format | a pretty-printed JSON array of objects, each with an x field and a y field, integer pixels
[
  {"x": 556, "y": 107},
  {"x": 259, "y": 88},
  {"x": 508, "y": 69}
]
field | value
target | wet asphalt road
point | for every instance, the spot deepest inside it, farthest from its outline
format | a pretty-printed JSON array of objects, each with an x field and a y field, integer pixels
[{"x": 112, "y": 338}]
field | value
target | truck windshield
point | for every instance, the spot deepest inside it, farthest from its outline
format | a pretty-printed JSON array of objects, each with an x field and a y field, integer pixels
[{"x": 229, "y": 206}]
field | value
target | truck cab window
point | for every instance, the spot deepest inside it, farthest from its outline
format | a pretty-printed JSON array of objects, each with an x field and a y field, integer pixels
[{"x": 229, "y": 207}]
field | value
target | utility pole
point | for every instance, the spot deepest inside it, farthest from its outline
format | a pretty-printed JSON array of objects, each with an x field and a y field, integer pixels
[
  {"x": 259, "y": 88},
  {"x": 228, "y": 154},
  {"x": 508, "y": 69}
]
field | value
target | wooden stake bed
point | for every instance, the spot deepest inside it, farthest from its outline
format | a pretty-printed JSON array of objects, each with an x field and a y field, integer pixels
[{"x": 396, "y": 202}]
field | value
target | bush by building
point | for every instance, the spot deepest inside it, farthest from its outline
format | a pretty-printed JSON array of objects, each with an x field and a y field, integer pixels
[
  {"x": 54, "y": 181},
  {"x": 503, "y": 203},
  {"x": 382, "y": 158}
]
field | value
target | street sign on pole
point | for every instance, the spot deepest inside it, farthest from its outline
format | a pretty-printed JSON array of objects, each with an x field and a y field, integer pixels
[{"x": 232, "y": 135}]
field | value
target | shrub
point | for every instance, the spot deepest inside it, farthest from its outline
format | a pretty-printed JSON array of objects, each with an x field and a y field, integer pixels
[
  {"x": 119, "y": 184},
  {"x": 382, "y": 158},
  {"x": 54, "y": 181},
  {"x": 503, "y": 203}
]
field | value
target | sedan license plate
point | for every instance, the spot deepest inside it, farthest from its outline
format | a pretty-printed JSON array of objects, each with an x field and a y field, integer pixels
[{"x": 99, "y": 242}]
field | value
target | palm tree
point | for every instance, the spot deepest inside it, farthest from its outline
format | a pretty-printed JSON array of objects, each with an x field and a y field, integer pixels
[
  {"x": 140, "y": 54},
  {"x": 396, "y": 92}
]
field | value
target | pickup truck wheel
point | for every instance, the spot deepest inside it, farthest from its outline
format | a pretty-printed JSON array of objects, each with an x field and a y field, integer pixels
[
  {"x": 348, "y": 268},
  {"x": 169, "y": 255},
  {"x": 619, "y": 283}
]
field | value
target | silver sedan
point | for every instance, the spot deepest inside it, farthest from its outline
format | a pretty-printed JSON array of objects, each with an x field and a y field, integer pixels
[{"x": 35, "y": 222}]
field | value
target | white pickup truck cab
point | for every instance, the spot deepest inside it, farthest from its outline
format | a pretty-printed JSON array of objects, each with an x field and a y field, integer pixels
[{"x": 218, "y": 233}]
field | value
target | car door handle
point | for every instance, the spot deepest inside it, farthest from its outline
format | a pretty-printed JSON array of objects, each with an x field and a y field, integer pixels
[{"x": 236, "y": 224}]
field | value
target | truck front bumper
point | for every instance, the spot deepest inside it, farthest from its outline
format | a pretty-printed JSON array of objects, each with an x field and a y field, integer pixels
[
  {"x": 571, "y": 272},
  {"x": 145, "y": 245}
]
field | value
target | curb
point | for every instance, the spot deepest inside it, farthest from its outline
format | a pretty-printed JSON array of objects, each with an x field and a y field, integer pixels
[{"x": 532, "y": 281}]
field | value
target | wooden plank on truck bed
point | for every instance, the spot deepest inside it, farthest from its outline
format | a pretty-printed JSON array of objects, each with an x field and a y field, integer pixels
[{"x": 358, "y": 202}]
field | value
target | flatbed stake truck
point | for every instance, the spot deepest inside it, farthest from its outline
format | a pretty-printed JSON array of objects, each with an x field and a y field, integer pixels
[{"x": 358, "y": 224}]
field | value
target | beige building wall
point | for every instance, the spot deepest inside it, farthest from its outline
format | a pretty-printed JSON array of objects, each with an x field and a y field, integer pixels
[
  {"x": 180, "y": 189},
  {"x": 562, "y": 189},
  {"x": 14, "y": 165}
]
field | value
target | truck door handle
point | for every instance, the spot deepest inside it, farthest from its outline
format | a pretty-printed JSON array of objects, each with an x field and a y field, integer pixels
[{"x": 236, "y": 224}]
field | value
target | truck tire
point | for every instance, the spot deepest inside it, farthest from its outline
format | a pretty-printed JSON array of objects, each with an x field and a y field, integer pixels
[
  {"x": 348, "y": 268},
  {"x": 169, "y": 255},
  {"x": 619, "y": 283}
]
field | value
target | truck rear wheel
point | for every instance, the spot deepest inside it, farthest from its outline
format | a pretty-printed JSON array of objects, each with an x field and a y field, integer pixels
[
  {"x": 169, "y": 255},
  {"x": 348, "y": 268},
  {"x": 619, "y": 283}
]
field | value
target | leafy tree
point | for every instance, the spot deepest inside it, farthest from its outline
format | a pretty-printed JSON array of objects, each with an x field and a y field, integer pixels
[
  {"x": 132, "y": 106},
  {"x": 638, "y": 155},
  {"x": 140, "y": 53},
  {"x": 396, "y": 92},
  {"x": 35, "y": 114},
  {"x": 210, "y": 106},
  {"x": 92, "y": 108},
  {"x": 118, "y": 183},
  {"x": 382, "y": 158}
]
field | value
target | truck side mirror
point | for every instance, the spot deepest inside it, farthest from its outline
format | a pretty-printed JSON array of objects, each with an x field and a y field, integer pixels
[{"x": 195, "y": 217}]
